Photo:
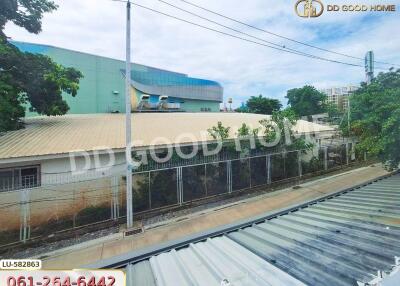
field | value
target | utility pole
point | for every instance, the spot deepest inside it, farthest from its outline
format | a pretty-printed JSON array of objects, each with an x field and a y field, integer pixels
[{"x": 128, "y": 110}]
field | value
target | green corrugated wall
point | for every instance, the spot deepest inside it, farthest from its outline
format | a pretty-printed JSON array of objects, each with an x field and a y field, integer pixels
[{"x": 102, "y": 90}]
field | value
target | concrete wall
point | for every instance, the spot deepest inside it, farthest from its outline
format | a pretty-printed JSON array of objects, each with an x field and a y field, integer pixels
[
  {"x": 88, "y": 167},
  {"x": 56, "y": 202},
  {"x": 63, "y": 193}
]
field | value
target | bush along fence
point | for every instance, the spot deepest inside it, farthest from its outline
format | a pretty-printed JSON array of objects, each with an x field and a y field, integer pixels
[{"x": 47, "y": 210}]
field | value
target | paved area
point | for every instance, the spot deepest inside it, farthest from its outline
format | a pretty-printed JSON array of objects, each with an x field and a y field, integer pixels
[{"x": 109, "y": 246}]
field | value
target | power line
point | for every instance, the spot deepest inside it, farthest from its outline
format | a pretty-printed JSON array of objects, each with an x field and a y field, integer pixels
[
  {"x": 280, "y": 36},
  {"x": 241, "y": 38},
  {"x": 278, "y": 46},
  {"x": 222, "y": 25},
  {"x": 237, "y": 31}
]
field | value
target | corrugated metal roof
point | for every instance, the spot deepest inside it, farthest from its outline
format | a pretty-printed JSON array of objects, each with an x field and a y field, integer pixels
[
  {"x": 341, "y": 240},
  {"x": 64, "y": 134},
  {"x": 209, "y": 263}
]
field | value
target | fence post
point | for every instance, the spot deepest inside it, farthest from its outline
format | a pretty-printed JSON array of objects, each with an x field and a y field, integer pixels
[
  {"x": 25, "y": 229},
  {"x": 250, "y": 171},
  {"x": 229, "y": 175},
  {"x": 115, "y": 199},
  {"x": 268, "y": 169},
  {"x": 149, "y": 186},
  {"x": 178, "y": 192},
  {"x": 181, "y": 189},
  {"x": 283, "y": 155},
  {"x": 179, "y": 185},
  {"x": 347, "y": 153},
  {"x": 205, "y": 179},
  {"x": 299, "y": 163},
  {"x": 75, "y": 211},
  {"x": 326, "y": 158}
]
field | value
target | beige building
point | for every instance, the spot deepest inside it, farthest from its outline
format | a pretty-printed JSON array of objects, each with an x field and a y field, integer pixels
[
  {"x": 339, "y": 95},
  {"x": 41, "y": 192}
]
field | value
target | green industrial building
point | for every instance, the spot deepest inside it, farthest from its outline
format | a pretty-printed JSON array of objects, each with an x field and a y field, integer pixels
[{"x": 102, "y": 90}]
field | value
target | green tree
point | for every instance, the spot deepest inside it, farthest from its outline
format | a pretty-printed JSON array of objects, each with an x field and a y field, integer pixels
[
  {"x": 11, "y": 109},
  {"x": 243, "y": 108},
  {"x": 333, "y": 110},
  {"x": 335, "y": 116},
  {"x": 282, "y": 122},
  {"x": 30, "y": 78},
  {"x": 261, "y": 105},
  {"x": 375, "y": 117},
  {"x": 23, "y": 13},
  {"x": 246, "y": 131},
  {"x": 306, "y": 101}
]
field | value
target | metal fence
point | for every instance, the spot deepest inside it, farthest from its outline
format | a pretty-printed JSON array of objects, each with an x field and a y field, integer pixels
[{"x": 40, "y": 212}]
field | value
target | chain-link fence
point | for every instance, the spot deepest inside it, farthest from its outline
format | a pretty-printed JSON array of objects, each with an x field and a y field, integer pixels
[
  {"x": 216, "y": 178},
  {"x": 259, "y": 171},
  {"x": 313, "y": 161},
  {"x": 48, "y": 209},
  {"x": 241, "y": 178},
  {"x": 69, "y": 206},
  {"x": 194, "y": 183},
  {"x": 278, "y": 170}
]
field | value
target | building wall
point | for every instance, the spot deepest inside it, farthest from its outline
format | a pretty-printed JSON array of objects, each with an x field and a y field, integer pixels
[
  {"x": 102, "y": 77},
  {"x": 71, "y": 192},
  {"x": 64, "y": 196},
  {"x": 102, "y": 89},
  {"x": 56, "y": 202},
  {"x": 198, "y": 105},
  {"x": 339, "y": 96}
]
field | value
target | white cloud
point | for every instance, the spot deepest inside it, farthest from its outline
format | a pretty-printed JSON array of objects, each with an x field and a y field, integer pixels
[{"x": 97, "y": 26}]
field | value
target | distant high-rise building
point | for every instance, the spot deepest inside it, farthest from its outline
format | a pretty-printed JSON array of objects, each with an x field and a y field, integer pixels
[{"x": 339, "y": 96}]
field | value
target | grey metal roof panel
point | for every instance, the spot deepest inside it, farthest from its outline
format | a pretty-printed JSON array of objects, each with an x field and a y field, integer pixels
[
  {"x": 338, "y": 240},
  {"x": 212, "y": 261},
  {"x": 140, "y": 274}
]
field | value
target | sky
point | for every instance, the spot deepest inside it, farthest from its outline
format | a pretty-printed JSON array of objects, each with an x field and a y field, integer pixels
[{"x": 243, "y": 69}]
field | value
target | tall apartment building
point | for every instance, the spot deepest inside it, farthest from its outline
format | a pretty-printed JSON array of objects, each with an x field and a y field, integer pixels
[{"x": 339, "y": 95}]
